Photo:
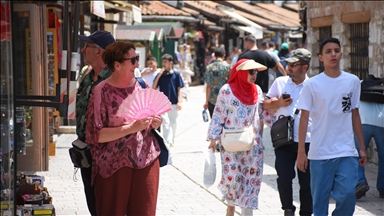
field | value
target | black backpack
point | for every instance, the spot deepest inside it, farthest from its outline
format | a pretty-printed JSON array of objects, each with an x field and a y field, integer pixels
[{"x": 372, "y": 89}]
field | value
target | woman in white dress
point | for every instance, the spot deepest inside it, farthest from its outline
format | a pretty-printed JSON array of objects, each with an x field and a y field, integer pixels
[{"x": 235, "y": 108}]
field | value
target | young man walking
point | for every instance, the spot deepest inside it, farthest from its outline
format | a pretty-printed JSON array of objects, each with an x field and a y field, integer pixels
[
  {"x": 95, "y": 45},
  {"x": 149, "y": 73},
  {"x": 292, "y": 84},
  {"x": 332, "y": 100},
  {"x": 216, "y": 75},
  {"x": 170, "y": 83}
]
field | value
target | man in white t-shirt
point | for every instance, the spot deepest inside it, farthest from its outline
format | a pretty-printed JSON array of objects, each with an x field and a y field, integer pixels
[
  {"x": 285, "y": 161},
  {"x": 149, "y": 73},
  {"x": 331, "y": 99}
]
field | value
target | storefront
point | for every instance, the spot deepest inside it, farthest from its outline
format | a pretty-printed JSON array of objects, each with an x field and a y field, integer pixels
[
  {"x": 39, "y": 65},
  {"x": 33, "y": 97}
]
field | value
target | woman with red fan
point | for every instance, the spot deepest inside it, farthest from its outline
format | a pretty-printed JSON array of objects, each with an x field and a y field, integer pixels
[
  {"x": 238, "y": 106},
  {"x": 125, "y": 171}
]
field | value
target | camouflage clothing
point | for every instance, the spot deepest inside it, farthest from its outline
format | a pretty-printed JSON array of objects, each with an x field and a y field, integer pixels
[
  {"x": 82, "y": 98},
  {"x": 216, "y": 75}
]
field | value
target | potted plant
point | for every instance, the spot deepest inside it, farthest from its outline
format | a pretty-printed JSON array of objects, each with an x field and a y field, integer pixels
[{"x": 28, "y": 117}]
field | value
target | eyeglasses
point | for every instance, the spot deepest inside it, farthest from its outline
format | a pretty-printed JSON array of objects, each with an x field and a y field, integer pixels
[
  {"x": 86, "y": 45},
  {"x": 252, "y": 72},
  {"x": 292, "y": 65},
  {"x": 133, "y": 59}
]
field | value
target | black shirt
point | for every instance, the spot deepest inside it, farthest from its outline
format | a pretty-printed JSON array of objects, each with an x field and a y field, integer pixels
[{"x": 263, "y": 58}]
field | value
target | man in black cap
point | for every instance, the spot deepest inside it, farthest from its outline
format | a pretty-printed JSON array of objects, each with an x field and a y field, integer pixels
[{"x": 93, "y": 49}]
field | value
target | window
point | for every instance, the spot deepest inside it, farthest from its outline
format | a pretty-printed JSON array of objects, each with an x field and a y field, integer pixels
[
  {"x": 359, "y": 35},
  {"x": 324, "y": 33}
]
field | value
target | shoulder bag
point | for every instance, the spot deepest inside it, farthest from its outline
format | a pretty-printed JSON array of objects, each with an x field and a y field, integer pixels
[
  {"x": 238, "y": 140},
  {"x": 282, "y": 131},
  {"x": 372, "y": 89},
  {"x": 80, "y": 154}
]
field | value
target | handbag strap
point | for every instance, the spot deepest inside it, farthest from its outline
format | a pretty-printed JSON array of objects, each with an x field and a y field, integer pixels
[
  {"x": 141, "y": 82},
  {"x": 295, "y": 114},
  {"x": 254, "y": 114}
]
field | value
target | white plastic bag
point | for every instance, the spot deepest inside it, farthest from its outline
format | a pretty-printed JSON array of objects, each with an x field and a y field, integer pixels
[{"x": 209, "y": 168}]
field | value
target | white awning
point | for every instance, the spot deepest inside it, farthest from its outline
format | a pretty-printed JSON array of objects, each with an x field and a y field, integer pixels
[
  {"x": 242, "y": 28},
  {"x": 253, "y": 28},
  {"x": 295, "y": 34}
]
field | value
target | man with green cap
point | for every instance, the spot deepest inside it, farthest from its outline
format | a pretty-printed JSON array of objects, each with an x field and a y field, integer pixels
[{"x": 279, "y": 104}]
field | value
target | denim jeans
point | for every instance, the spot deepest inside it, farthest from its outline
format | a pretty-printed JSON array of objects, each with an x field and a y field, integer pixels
[
  {"x": 371, "y": 131},
  {"x": 337, "y": 176},
  {"x": 170, "y": 124}
]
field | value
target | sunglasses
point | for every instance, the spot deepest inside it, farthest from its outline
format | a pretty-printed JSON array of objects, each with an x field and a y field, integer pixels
[
  {"x": 292, "y": 65},
  {"x": 252, "y": 72},
  {"x": 133, "y": 59}
]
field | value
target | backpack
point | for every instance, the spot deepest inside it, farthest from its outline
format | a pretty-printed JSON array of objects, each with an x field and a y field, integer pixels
[{"x": 372, "y": 89}]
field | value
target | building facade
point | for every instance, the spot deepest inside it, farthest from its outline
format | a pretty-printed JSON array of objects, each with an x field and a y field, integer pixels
[{"x": 359, "y": 25}]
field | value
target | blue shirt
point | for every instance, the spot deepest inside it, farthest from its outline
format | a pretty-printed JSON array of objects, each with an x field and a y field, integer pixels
[
  {"x": 372, "y": 113},
  {"x": 169, "y": 85}
]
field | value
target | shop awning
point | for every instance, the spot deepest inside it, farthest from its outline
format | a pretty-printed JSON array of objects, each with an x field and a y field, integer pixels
[
  {"x": 250, "y": 29},
  {"x": 242, "y": 28},
  {"x": 135, "y": 35},
  {"x": 178, "y": 33},
  {"x": 253, "y": 28},
  {"x": 118, "y": 5},
  {"x": 122, "y": 6},
  {"x": 162, "y": 31},
  {"x": 295, "y": 34}
]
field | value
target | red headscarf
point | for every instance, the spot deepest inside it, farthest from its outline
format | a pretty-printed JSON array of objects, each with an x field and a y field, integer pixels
[{"x": 241, "y": 88}]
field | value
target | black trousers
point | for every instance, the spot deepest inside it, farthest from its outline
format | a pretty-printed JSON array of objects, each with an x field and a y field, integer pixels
[
  {"x": 285, "y": 166},
  {"x": 86, "y": 175},
  {"x": 211, "y": 108}
]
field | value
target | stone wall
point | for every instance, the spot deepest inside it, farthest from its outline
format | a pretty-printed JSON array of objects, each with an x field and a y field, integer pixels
[
  {"x": 339, "y": 15},
  {"x": 332, "y": 13}
]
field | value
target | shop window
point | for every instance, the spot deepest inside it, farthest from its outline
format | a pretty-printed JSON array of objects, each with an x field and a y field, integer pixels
[
  {"x": 359, "y": 35},
  {"x": 324, "y": 33}
]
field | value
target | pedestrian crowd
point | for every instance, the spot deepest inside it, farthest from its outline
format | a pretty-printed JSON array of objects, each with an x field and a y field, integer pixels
[{"x": 323, "y": 129}]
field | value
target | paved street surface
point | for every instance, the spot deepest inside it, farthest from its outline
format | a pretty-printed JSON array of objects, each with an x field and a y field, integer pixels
[{"x": 182, "y": 191}]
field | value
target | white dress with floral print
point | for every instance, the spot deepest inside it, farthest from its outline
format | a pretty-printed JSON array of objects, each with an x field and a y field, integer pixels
[{"x": 241, "y": 171}]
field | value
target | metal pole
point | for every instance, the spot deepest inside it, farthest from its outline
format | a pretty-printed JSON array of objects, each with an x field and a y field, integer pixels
[
  {"x": 75, "y": 31},
  {"x": 64, "y": 59}
]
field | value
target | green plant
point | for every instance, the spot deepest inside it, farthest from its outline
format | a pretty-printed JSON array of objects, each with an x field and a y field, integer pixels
[{"x": 28, "y": 114}]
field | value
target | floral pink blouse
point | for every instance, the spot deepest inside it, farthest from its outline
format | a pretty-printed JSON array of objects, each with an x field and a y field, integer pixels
[{"x": 136, "y": 150}]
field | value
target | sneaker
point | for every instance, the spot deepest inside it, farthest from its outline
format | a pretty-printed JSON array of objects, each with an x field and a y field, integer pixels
[
  {"x": 381, "y": 192},
  {"x": 289, "y": 212},
  {"x": 361, "y": 189}
]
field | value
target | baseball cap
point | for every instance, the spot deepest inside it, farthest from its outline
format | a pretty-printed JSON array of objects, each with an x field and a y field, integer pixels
[
  {"x": 250, "y": 64},
  {"x": 299, "y": 54},
  {"x": 101, "y": 38},
  {"x": 284, "y": 46}
]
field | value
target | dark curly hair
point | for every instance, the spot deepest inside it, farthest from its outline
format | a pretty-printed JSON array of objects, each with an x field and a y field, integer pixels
[
  {"x": 328, "y": 40},
  {"x": 115, "y": 52}
]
